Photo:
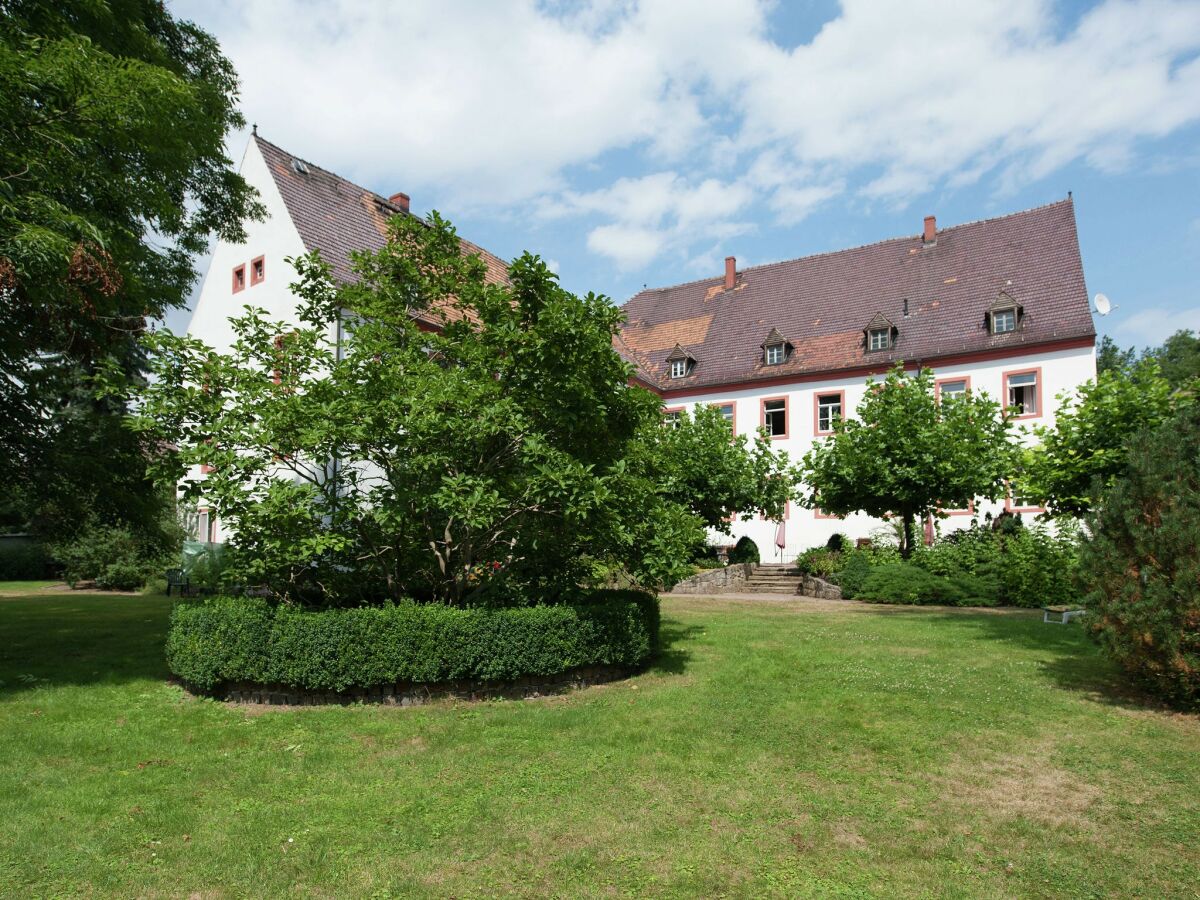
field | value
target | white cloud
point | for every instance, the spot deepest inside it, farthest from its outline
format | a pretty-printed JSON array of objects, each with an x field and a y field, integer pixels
[
  {"x": 496, "y": 105},
  {"x": 1150, "y": 327}
]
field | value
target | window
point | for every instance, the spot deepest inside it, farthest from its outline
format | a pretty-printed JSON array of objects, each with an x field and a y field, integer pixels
[
  {"x": 828, "y": 411},
  {"x": 205, "y": 525},
  {"x": 1023, "y": 392},
  {"x": 879, "y": 339},
  {"x": 727, "y": 414},
  {"x": 673, "y": 418},
  {"x": 774, "y": 417},
  {"x": 952, "y": 387},
  {"x": 258, "y": 270},
  {"x": 1017, "y": 501},
  {"x": 679, "y": 368},
  {"x": 239, "y": 278},
  {"x": 775, "y": 354},
  {"x": 1004, "y": 320}
]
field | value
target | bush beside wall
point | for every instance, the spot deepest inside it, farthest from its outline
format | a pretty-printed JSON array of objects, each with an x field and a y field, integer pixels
[{"x": 237, "y": 640}]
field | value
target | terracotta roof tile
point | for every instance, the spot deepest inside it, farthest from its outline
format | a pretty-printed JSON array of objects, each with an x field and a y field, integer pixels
[{"x": 824, "y": 303}]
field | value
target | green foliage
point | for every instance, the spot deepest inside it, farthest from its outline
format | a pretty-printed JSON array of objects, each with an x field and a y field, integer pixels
[
  {"x": 526, "y": 462},
  {"x": 744, "y": 551},
  {"x": 1085, "y": 450},
  {"x": 856, "y": 567},
  {"x": 115, "y": 558},
  {"x": 906, "y": 583},
  {"x": 24, "y": 561},
  {"x": 1179, "y": 359},
  {"x": 819, "y": 561},
  {"x": 1141, "y": 563},
  {"x": 907, "y": 455},
  {"x": 229, "y": 640},
  {"x": 838, "y": 542},
  {"x": 113, "y": 175},
  {"x": 1110, "y": 357}
]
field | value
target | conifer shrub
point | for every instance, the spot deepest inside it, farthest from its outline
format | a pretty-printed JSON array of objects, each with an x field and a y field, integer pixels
[
  {"x": 248, "y": 640},
  {"x": 1141, "y": 563},
  {"x": 744, "y": 551}
]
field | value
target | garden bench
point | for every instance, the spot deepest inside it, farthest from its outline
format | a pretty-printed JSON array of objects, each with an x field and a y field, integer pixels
[
  {"x": 177, "y": 578},
  {"x": 1065, "y": 613}
]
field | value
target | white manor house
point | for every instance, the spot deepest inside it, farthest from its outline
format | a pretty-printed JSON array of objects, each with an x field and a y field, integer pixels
[{"x": 998, "y": 305}]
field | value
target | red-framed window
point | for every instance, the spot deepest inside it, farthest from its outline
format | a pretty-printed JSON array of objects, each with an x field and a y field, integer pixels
[
  {"x": 828, "y": 408},
  {"x": 729, "y": 414},
  {"x": 951, "y": 385},
  {"x": 773, "y": 416},
  {"x": 258, "y": 270},
  {"x": 673, "y": 416},
  {"x": 1015, "y": 503},
  {"x": 239, "y": 278},
  {"x": 1023, "y": 392}
]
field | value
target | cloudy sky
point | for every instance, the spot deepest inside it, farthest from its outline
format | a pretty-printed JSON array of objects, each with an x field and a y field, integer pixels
[{"x": 633, "y": 143}]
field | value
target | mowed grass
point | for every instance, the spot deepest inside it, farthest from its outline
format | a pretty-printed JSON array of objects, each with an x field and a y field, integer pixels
[{"x": 776, "y": 749}]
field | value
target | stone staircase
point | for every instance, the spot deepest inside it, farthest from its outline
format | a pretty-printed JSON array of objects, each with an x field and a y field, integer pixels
[{"x": 767, "y": 578}]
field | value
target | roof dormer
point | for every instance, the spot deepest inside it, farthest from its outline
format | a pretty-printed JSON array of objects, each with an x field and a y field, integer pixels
[
  {"x": 680, "y": 363},
  {"x": 775, "y": 349},
  {"x": 1004, "y": 316},
  {"x": 880, "y": 334}
]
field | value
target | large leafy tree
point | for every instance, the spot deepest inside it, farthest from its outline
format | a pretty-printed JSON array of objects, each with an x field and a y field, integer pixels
[
  {"x": 908, "y": 455},
  {"x": 1087, "y": 447},
  {"x": 112, "y": 177},
  {"x": 502, "y": 455}
]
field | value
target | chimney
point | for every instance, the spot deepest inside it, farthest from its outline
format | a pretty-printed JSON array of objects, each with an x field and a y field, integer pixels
[
  {"x": 930, "y": 229},
  {"x": 730, "y": 272},
  {"x": 400, "y": 200}
]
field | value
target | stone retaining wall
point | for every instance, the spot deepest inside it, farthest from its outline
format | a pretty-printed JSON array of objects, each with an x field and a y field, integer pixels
[
  {"x": 820, "y": 588},
  {"x": 413, "y": 694},
  {"x": 730, "y": 579}
]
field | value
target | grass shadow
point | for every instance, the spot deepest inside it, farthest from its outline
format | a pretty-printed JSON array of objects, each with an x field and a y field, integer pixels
[
  {"x": 77, "y": 640},
  {"x": 672, "y": 659}
]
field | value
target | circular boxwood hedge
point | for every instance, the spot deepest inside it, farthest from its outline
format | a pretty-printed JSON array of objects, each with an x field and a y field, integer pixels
[{"x": 241, "y": 640}]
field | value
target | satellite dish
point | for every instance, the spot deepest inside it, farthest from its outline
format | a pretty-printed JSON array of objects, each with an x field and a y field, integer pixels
[{"x": 1103, "y": 304}]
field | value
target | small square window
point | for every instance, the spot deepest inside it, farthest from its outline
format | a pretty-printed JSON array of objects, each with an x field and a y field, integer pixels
[
  {"x": 673, "y": 418},
  {"x": 1004, "y": 321},
  {"x": 1023, "y": 393},
  {"x": 879, "y": 339},
  {"x": 679, "y": 368},
  {"x": 829, "y": 411},
  {"x": 775, "y": 417},
  {"x": 775, "y": 354},
  {"x": 239, "y": 278},
  {"x": 956, "y": 388},
  {"x": 258, "y": 270}
]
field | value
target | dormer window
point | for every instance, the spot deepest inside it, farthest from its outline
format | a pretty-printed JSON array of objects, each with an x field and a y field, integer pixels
[
  {"x": 776, "y": 349},
  {"x": 1005, "y": 314},
  {"x": 1004, "y": 320},
  {"x": 680, "y": 363},
  {"x": 880, "y": 334}
]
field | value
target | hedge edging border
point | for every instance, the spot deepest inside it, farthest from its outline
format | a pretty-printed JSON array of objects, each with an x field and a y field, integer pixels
[{"x": 410, "y": 693}]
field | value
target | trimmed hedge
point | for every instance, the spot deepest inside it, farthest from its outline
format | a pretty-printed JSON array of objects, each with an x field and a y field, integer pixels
[
  {"x": 905, "y": 583},
  {"x": 230, "y": 640}
]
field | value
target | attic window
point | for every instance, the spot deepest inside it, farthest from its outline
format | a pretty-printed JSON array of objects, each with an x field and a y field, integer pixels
[
  {"x": 679, "y": 368},
  {"x": 879, "y": 339},
  {"x": 774, "y": 354},
  {"x": 680, "y": 363},
  {"x": 1004, "y": 320}
]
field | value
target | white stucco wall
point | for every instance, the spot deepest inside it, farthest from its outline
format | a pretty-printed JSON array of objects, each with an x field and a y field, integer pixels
[
  {"x": 1059, "y": 371},
  {"x": 275, "y": 238}
]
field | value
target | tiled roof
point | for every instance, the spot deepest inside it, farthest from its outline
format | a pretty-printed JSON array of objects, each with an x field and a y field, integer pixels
[
  {"x": 337, "y": 217},
  {"x": 822, "y": 304}
]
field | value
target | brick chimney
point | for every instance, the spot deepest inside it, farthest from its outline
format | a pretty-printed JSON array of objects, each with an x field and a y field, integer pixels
[
  {"x": 930, "y": 229},
  {"x": 730, "y": 272},
  {"x": 400, "y": 200}
]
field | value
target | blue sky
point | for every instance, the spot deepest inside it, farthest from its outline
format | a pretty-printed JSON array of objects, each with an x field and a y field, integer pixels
[{"x": 635, "y": 144}]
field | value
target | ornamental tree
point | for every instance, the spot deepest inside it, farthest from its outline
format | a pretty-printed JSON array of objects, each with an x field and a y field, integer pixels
[
  {"x": 908, "y": 455},
  {"x": 503, "y": 455},
  {"x": 1086, "y": 449},
  {"x": 113, "y": 175}
]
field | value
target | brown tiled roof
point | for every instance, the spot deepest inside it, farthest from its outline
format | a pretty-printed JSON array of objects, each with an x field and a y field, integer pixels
[
  {"x": 337, "y": 217},
  {"x": 823, "y": 303}
]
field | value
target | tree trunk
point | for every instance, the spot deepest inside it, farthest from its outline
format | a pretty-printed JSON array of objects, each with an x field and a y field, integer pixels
[{"x": 906, "y": 541}]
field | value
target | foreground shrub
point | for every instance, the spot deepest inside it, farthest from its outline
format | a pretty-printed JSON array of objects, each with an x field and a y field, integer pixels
[
  {"x": 113, "y": 557},
  {"x": 1142, "y": 563},
  {"x": 909, "y": 584},
  {"x": 744, "y": 551},
  {"x": 819, "y": 561},
  {"x": 228, "y": 640}
]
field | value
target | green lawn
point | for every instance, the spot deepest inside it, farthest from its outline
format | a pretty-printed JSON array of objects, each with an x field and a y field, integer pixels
[{"x": 777, "y": 749}]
